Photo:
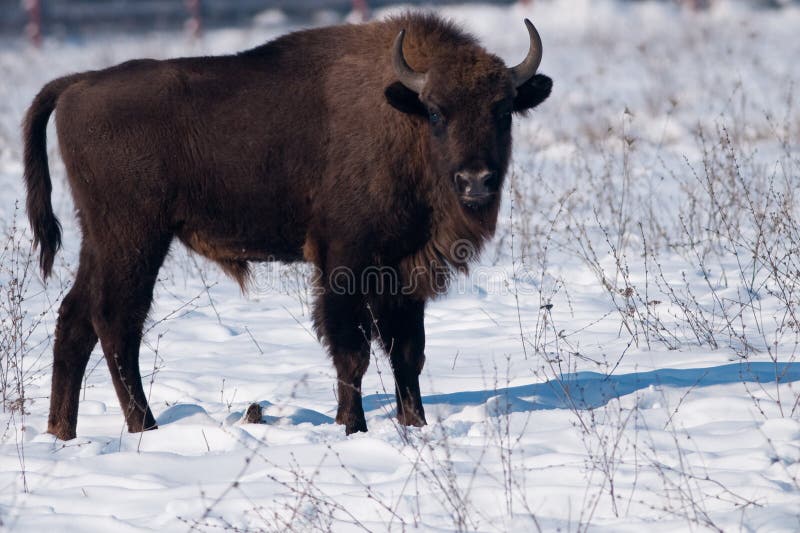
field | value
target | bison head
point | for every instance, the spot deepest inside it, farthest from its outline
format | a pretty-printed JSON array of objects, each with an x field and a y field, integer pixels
[{"x": 467, "y": 97}]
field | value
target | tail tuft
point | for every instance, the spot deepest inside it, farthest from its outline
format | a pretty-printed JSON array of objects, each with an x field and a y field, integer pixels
[{"x": 45, "y": 225}]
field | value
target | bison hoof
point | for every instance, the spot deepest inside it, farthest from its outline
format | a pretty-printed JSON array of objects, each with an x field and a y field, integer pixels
[
  {"x": 137, "y": 425},
  {"x": 62, "y": 433},
  {"x": 352, "y": 419},
  {"x": 352, "y": 424},
  {"x": 355, "y": 427},
  {"x": 411, "y": 419},
  {"x": 137, "y": 428},
  {"x": 409, "y": 415}
]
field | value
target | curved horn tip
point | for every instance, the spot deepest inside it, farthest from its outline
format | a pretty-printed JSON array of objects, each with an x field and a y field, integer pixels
[
  {"x": 533, "y": 33},
  {"x": 397, "y": 45},
  {"x": 527, "y": 69},
  {"x": 406, "y": 75}
]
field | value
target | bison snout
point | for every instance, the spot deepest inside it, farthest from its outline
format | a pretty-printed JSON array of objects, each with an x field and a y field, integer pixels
[{"x": 476, "y": 187}]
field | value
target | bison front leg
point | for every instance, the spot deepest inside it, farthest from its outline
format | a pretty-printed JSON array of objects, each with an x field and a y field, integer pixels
[
  {"x": 342, "y": 322},
  {"x": 350, "y": 368},
  {"x": 402, "y": 334}
]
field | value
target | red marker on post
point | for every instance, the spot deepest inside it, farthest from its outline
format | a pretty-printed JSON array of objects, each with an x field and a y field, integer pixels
[{"x": 34, "y": 27}]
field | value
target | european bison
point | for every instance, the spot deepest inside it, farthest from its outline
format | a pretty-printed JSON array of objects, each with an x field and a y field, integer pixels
[{"x": 354, "y": 147}]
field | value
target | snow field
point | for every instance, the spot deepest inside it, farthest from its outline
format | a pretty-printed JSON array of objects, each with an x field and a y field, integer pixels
[{"x": 623, "y": 357}]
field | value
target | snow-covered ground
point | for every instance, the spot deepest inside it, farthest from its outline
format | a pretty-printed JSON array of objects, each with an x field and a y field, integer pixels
[{"x": 625, "y": 355}]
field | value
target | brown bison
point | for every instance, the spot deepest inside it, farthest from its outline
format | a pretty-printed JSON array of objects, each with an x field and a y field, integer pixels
[{"x": 352, "y": 147}]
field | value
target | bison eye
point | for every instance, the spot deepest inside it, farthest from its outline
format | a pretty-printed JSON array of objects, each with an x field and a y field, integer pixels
[{"x": 435, "y": 117}]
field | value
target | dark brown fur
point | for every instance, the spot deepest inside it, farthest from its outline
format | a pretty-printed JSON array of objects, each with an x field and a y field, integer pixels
[{"x": 306, "y": 147}]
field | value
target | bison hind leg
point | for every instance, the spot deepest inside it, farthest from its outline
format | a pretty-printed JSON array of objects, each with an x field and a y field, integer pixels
[{"x": 75, "y": 339}]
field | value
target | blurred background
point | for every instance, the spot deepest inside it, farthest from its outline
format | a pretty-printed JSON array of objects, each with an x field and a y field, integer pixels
[{"x": 72, "y": 19}]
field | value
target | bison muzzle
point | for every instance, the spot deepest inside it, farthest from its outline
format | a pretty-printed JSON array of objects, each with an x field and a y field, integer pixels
[{"x": 355, "y": 147}]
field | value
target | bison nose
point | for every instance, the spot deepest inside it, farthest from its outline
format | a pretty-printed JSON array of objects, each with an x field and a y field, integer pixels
[{"x": 475, "y": 183}]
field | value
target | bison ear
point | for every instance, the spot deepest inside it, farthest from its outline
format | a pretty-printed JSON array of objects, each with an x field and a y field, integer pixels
[
  {"x": 404, "y": 99},
  {"x": 532, "y": 93}
]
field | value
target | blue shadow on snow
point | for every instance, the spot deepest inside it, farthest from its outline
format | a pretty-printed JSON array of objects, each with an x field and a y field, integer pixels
[{"x": 589, "y": 390}]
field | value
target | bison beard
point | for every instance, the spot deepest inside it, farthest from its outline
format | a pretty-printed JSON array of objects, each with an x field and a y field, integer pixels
[{"x": 354, "y": 147}]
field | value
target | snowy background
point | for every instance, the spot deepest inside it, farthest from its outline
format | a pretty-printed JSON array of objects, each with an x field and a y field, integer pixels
[{"x": 625, "y": 355}]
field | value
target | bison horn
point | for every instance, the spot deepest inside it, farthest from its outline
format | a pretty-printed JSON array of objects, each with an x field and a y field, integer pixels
[
  {"x": 525, "y": 70},
  {"x": 409, "y": 77}
]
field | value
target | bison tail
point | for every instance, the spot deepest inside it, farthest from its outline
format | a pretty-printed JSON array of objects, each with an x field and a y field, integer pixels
[{"x": 45, "y": 225}]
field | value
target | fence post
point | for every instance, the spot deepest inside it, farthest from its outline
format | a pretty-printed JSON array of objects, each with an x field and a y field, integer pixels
[
  {"x": 195, "y": 23},
  {"x": 34, "y": 27},
  {"x": 696, "y": 5},
  {"x": 361, "y": 9}
]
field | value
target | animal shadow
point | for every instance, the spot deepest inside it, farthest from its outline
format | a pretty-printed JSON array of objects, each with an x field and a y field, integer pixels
[{"x": 590, "y": 390}]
